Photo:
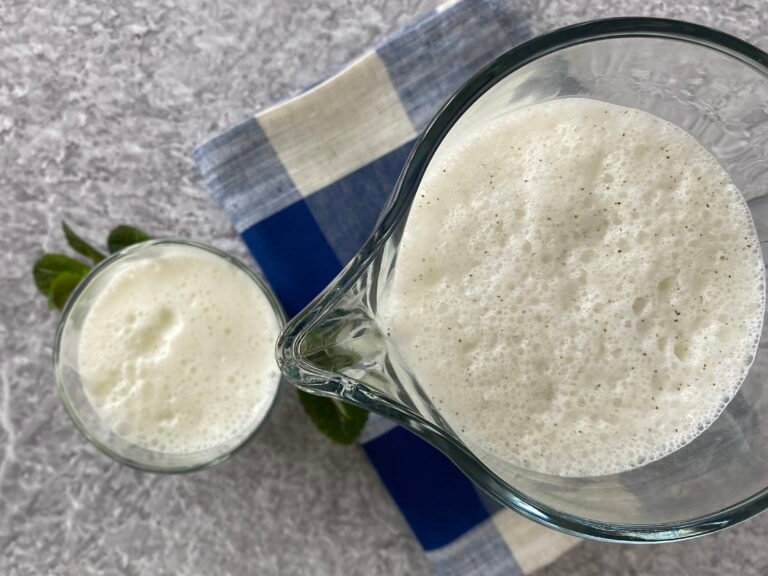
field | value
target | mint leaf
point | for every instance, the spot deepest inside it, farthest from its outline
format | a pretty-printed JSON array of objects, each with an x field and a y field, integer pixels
[
  {"x": 62, "y": 287},
  {"x": 340, "y": 421},
  {"x": 81, "y": 246},
  {"x": 124, "y": 236},
  {"x": 49, "y": 266}
]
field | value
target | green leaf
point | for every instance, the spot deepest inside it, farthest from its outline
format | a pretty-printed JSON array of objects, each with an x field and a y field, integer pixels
[
  {"x": 81, "y": 246},
  {"x": 124, "y": 236},
  {"x": 340, "y": 421},
  {"x": 62, "y": 287},
  {"x": 49, "y": 266}
]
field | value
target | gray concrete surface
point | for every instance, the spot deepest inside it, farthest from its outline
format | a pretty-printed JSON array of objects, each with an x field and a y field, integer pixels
[{"x": 100, "y": 106}]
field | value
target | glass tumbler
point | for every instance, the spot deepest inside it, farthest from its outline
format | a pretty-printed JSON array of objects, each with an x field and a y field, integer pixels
[{"x": 76, "y": 402}]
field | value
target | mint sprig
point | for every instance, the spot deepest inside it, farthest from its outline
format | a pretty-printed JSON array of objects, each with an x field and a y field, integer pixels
[
  {"x": 57, "y": 275},
  {"x": 81, "y": 246},
  {"x": 63, "y": 285},
  {"x": 340, "y": 421},
  {"x": 124, "y": 236},
  {"x": 49, "y": 266}
]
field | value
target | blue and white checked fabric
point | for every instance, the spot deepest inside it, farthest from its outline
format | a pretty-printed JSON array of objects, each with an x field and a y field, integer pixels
[{"x": 304, "y": 183}]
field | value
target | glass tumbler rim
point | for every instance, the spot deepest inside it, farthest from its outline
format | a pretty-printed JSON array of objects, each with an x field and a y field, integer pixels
[
  {"x": 64, "y": 394},
  {"x": 304, "y": 373}
]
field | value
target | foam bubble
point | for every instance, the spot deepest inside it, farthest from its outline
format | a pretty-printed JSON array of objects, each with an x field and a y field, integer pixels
[
  {"x": 582, "y": 302},
  {"x": 189, "y": 323}
]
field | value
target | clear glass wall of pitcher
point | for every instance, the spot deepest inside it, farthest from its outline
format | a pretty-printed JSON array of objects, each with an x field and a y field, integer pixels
[{"x": 712, "y": 85}]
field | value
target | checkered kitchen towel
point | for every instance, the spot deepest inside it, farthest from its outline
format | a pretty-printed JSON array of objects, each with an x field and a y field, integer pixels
[{"x": 304, "y": 183}]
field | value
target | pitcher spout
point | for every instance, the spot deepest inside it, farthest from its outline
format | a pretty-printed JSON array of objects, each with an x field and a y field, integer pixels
[{"x": 336, "y": 346}]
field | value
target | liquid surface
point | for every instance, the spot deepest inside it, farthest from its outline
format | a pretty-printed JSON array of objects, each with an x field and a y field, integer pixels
[
  {"x": 177, "y": 351},
  {"x": 579, "y": 288}
]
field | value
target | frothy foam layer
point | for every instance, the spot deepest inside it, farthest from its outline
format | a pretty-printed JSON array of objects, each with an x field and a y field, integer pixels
[
  {"x": 579, "y": 288},
  {"x": 177, "y": 351}
]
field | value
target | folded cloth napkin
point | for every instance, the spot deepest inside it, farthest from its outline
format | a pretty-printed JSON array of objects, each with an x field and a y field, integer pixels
[{"x": 304, "y": 183}]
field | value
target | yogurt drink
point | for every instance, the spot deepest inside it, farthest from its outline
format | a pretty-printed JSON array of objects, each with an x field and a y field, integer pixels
[
  {"x": 579, "y": 288},
  {"x": 176, "y": 352}
]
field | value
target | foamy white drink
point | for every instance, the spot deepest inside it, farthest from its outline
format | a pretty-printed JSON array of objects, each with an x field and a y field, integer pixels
[
  {"x": 177, "y": 351},
  {"x": 579, "y": 288}
]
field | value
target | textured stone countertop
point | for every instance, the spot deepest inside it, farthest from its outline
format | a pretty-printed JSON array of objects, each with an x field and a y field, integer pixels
[{"x": 100, "y": 106}]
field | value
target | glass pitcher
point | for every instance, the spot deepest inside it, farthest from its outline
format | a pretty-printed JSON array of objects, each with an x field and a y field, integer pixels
[{"x": 712, "y": 85}]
